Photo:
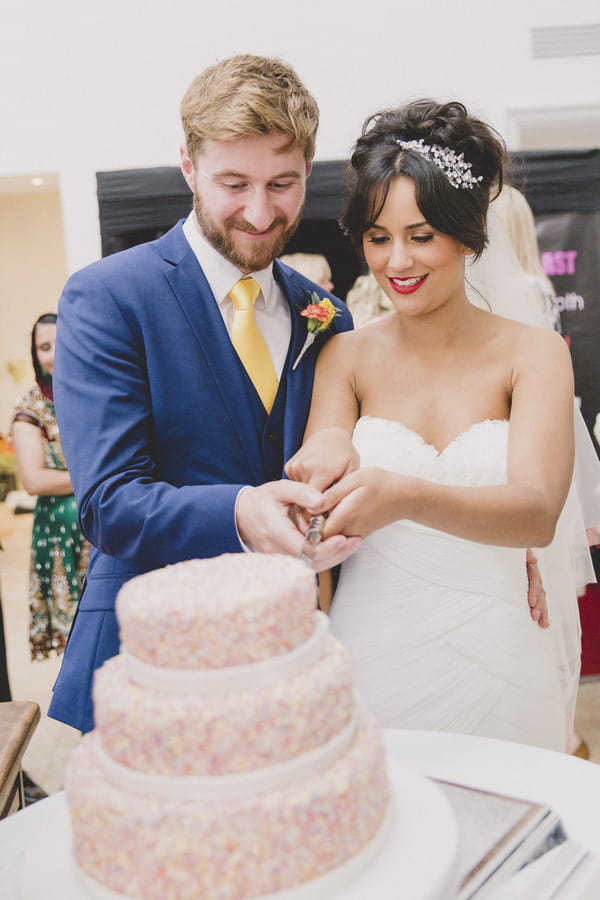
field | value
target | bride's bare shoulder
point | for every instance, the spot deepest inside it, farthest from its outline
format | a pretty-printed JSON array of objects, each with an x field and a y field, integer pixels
[
  {"x": 534, "y": 335},
  {"x": 544, "y": 344},
  {"x": 522, "y": 332},
  {"x": 532, "y": 347}
]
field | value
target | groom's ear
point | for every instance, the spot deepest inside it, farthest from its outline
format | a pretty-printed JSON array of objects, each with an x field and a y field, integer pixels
[
  {"x": 187, "y": 167},
  {"x": 467, "y": 251}
]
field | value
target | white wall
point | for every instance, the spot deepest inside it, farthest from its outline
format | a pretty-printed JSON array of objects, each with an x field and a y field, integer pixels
[{"x": 89, "y": 87}]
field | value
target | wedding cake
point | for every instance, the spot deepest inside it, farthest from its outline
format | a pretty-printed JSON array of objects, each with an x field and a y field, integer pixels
[{"x": 230, "y": 758}]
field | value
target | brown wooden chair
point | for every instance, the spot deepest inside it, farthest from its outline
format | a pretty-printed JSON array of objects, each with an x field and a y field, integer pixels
[{"x": 18, "y": 721}]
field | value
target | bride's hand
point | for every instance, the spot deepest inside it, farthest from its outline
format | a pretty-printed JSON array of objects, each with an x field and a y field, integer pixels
[
  {"x": 362, "y": 502},
  {"x": 326, "y": 457}
]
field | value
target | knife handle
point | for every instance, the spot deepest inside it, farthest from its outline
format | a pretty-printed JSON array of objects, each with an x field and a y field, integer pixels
[{"x": 314, "y": 532}]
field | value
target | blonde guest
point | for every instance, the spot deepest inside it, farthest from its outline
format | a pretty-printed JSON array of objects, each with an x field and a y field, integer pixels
[{"x": 311, "y": 265}]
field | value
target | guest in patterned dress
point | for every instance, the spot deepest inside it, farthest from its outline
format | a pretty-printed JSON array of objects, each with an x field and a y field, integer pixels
[{"x": 59, "y": 553}]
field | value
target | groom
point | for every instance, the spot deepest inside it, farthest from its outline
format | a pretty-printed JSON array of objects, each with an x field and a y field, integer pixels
[{"x": 176, "y": 391}]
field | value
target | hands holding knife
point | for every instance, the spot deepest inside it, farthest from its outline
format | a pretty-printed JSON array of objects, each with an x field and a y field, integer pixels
[{"x": 267, "y": 516}]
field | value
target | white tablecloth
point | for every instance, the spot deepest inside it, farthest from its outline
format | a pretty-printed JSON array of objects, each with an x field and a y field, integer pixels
[{"x": 568, "y": 785}]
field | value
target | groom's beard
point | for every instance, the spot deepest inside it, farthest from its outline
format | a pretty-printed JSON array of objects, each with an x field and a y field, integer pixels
[{"x": 229, "y": 242}]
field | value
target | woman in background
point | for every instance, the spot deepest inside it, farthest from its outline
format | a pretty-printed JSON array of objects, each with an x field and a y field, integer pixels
[
  {"x": 59, "y": 553},
  {"x": 516, "y": 216},
  {"x": 567, "y": 568}
]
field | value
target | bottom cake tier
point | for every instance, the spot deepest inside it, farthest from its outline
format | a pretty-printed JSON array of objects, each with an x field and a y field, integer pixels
[
  {"x": 414, "y": 854},
  {"x": 242, "y": 845}
]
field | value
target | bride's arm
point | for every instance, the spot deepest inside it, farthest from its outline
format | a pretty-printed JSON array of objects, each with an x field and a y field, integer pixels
[
  {"x": 522, "y": 513},
  {"x": 327, "y": 453}
]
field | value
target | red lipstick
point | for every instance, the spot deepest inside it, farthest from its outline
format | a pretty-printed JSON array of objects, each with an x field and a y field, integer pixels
[{"x": 406, "y": 285}]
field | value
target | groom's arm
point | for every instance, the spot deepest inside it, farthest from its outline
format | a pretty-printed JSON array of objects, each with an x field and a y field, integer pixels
[
  {"x": 110, "y": 439},
  {"x": 104, "y": 410}
]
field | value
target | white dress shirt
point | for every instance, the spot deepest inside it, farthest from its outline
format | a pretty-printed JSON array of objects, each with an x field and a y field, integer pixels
[{"x": 271, "y": 309}]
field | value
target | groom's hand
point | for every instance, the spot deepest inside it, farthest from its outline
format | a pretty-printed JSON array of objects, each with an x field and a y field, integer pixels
[
  {"x": 266, "y": 522},
  {"x": 536, "y": 595}
]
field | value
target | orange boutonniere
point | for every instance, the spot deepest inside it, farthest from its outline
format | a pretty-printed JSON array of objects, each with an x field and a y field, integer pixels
[{"x": 320, "y": 314}]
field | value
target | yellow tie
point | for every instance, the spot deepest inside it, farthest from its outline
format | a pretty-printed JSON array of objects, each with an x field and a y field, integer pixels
[{"x": 249, "y": 342}]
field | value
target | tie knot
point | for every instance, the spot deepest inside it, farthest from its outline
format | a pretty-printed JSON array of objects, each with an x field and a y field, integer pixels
[{"x": 244, "y": 293}]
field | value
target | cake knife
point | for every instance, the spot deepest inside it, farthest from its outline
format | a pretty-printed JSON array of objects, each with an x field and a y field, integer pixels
[{"x": 314, "y": 534}]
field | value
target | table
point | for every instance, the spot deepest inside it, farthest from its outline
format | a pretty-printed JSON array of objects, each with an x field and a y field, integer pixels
[
  {"x": 18, "y": 721},
  {"x": 571, "y": 786}
]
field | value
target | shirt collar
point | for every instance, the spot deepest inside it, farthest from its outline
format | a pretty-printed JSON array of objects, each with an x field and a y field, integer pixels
[{"x": 221, "y": 274}]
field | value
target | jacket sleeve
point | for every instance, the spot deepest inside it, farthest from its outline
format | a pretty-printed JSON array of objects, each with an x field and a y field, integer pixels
[{"x": 104, "y": 411}]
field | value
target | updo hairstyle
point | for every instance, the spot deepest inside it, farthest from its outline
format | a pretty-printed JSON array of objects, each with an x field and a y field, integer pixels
[{"x": 378, "y": 159}]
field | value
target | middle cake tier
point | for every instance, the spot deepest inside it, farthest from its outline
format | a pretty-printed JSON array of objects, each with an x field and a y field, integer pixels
[{"x": 191, "y": 731}]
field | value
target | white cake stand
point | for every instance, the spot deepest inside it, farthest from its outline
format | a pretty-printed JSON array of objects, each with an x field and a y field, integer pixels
[
  {"x": 419, "y": 854},
  {"x": 414, "y": 856}
]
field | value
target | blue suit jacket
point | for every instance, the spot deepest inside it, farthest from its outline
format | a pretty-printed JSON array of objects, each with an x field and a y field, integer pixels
[{"x": 161, "y": 426}]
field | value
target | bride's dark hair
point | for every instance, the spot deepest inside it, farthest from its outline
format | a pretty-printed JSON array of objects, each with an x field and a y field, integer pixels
[{"x": 378, "y": 159}]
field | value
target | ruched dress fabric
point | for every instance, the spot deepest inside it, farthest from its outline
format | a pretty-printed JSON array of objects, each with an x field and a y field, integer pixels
[{"x": 438, "y": 627}]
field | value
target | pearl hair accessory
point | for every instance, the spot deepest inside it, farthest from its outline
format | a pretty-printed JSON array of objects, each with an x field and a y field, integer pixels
[{"x": 454, "y": 165}]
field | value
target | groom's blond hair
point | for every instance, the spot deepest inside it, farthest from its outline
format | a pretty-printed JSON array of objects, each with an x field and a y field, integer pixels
[{"x": 249, "y": 95}]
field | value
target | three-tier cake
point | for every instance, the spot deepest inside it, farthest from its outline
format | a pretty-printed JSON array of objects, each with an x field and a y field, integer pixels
[{"x": 230, "y": 757}]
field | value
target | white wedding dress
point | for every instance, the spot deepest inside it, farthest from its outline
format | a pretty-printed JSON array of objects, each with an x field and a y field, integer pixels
[{"x": 438, "y": 627}]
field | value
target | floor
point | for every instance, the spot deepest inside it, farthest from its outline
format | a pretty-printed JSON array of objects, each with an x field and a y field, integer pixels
[
  {"x": 46, "y": 756},
  {"x": 52, "y": 742}
]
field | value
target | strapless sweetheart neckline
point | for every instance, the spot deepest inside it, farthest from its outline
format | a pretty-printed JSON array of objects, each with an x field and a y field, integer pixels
[{"x": 458, "y": 437}]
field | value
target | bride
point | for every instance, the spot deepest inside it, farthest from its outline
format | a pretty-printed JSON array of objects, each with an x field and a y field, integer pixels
[{"x": 462, "y": 424}]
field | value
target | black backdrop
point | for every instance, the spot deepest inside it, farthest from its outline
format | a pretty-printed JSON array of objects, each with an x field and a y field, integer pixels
[
  {"x": 140, "y": 204},
  {"x": 563, "y": 189}
]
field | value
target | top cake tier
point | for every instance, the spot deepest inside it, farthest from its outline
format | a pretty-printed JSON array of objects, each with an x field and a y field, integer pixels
[{"x": 230, "y": 610}]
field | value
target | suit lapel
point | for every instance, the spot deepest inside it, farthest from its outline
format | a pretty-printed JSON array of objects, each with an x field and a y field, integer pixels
[{"x": 299, "y": 380}]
